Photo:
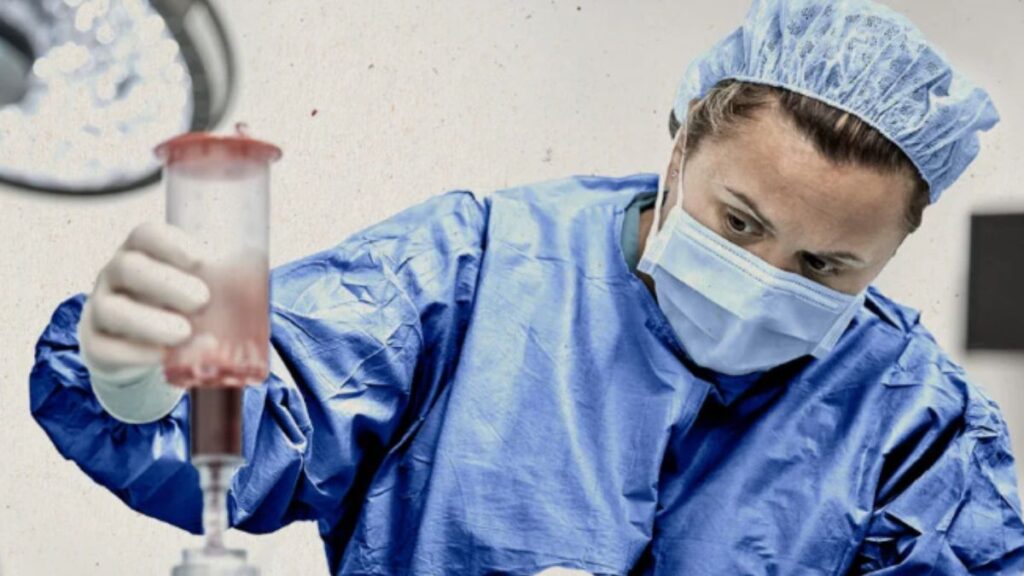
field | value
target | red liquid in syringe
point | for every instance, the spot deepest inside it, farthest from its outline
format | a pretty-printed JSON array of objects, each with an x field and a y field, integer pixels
[
  {"x": 229, "y": 349},
  {"x": 231, "y": 334}
]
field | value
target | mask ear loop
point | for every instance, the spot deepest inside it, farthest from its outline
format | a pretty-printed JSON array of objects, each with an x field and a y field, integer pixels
[{"x": 659, "y": 199}]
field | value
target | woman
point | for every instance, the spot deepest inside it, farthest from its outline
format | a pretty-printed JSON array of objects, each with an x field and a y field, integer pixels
[{"x": 551, "y": 377}]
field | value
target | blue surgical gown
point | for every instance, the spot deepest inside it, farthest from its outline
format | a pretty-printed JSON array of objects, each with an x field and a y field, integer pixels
[{"x": 484, "y": 387}]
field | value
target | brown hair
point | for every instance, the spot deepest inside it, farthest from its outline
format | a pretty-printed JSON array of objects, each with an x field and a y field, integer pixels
[{"x": 838, "y": 135}]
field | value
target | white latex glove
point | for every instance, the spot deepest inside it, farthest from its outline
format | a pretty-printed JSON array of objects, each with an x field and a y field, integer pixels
[{"x": 140, "y": 305}]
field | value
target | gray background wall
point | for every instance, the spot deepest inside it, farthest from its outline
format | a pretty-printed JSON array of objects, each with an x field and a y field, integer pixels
[{"x": 413, "y": 99}]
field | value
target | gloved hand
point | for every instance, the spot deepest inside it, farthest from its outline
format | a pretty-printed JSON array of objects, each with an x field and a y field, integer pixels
[{"x": 140, "y": 304}]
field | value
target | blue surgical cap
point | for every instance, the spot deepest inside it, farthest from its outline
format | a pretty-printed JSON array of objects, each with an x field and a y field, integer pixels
[{"x": 863, "y": 58}]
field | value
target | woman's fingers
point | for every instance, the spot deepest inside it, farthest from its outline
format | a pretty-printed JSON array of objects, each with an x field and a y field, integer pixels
[
  {"x": 164, "y": 242},
  {"x": 111, "y": 353},
  {"x": 118, "y": 315},
  {"x": 152, "y": 281},
  {"x": 142, "y": 299}
]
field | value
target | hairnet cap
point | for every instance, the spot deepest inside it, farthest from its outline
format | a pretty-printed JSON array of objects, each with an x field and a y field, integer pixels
[{"x": 863, "y": 58}]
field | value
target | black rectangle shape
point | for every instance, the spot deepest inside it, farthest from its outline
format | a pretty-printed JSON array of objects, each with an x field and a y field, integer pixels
[{"x": 995, "y": 301}]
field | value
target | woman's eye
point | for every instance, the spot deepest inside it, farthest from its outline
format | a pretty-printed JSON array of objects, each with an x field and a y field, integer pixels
[
  {"x": 819, "y": 266},
  {"x": 739, "y": 225}
]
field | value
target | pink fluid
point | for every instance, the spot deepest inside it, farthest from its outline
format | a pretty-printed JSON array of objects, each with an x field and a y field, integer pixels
[{"x": 231, "y": 335}]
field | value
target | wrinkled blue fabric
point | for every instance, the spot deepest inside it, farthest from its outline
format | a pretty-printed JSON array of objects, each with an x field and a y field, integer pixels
[
  {"x": 861, "y": 57},
  {"x": 483, "y": 387}
]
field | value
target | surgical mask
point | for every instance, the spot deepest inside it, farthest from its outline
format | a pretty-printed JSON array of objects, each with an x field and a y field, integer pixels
[{"x": 733, "y": 312}]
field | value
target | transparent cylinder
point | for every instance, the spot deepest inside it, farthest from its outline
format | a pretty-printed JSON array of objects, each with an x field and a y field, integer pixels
[{"x": 218, "y": 191}]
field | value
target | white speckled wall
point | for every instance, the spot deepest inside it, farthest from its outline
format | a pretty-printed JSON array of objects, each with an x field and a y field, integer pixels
[{"x": 378, "y": 105}]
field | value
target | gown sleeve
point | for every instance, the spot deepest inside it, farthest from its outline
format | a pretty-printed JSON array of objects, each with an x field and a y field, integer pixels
[
  {"x": 951, "y": 506},
  {"x": 362, "y": 337}
]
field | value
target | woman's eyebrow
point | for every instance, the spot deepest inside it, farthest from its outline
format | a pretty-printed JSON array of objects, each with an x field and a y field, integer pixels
[
  {"x": 749, "y": 204},
  {"x": 841, "y": 255},
  {"x": 752, "y": 206}
]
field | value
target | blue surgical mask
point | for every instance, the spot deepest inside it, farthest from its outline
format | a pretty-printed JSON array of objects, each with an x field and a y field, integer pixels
[{"x": 733, "y": 312}]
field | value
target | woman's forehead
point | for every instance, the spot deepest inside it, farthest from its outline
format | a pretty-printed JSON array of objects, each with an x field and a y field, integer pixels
[{"x": 770, "y": 161}]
